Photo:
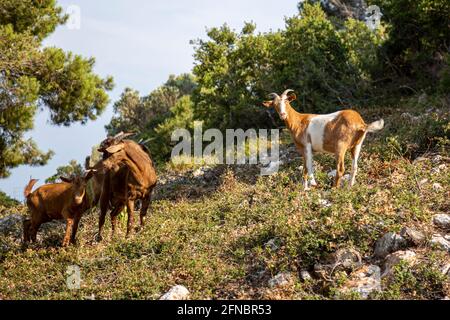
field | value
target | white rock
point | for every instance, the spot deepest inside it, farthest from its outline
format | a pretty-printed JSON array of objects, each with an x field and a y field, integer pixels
[
  {"x": 280, "y": 280},
  {"x": 199, "y": 172},
  {"x": 305, "y": 275},
  {"x": 438, "y": 169},
  {"x": 446, "y": 269},
  {"x": 177, "y": 292},
  {"x": 440, "y": 242},
  {"x": 324, "y": 203},
  {"x": 363, "y": 281},
  {"x": 442, "y": 220},
  {"x": 395, "y": 258},
  {"x": 437, "y": 186}
]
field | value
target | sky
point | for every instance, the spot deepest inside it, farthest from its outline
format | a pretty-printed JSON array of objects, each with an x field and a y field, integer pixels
[{"x": 140, "y": 43}]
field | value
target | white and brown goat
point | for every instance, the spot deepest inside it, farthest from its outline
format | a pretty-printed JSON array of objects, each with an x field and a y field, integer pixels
[{"x": 333, "y": 133}]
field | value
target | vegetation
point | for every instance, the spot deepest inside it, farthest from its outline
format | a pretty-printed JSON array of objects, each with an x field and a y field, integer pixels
[
  {"x": 210, "y": 226},
  {"x": 32, "y": 77}
]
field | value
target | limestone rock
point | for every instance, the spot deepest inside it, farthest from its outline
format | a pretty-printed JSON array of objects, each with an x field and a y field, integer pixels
[
  {"x": 395, "y": 258},
  {"x": 280, "y": 280},
  {"x": 177, "y": 292},
  {"x": 364, "y": 281},
  {"x": 388, "y": 243},
  {"x": 412, "y": 235},
  {"x": 442, "y": 220}
]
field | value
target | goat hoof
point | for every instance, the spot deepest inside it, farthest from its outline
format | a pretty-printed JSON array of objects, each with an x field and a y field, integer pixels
[{"x": 98, "y": 237}]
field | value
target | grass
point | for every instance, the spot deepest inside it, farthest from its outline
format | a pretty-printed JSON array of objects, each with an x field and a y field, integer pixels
[{"x": 213, "y": 241}]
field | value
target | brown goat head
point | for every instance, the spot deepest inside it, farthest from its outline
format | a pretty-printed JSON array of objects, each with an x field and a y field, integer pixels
[
  {"x": 111, "y": 141},
  {"x": 79, "y": 185}
]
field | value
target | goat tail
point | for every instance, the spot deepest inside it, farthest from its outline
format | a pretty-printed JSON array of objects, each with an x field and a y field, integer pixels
[
  {"x": 375, "y": 126},
  {"x": 28, "y": 188}
]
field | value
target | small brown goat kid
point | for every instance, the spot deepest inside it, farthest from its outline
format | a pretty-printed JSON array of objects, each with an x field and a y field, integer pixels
[
  {"x": 66, "y": 200},
  {"x": 333, "y": 133}
]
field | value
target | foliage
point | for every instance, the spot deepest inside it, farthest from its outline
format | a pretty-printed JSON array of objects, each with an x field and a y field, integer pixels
[
  {"x": 6, "y": 201},
  {"x": 32, "y": 78},
  {"x": 210, "y": 234},
  {"x": 418, "y": 37},
  {"x": 153, "y": 117},
  {"x": 72, "y": 169},
  {"x": 233, "y": 72},
  {"x": 327, "y": 65}
]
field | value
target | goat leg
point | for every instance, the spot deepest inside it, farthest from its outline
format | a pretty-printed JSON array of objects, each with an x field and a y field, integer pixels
[
  {"x": 67, "y": 236},
  {"x": 75, "y": 228},
  {"x": 144, "y": 208},
  {"x": 130, "y": 209}
]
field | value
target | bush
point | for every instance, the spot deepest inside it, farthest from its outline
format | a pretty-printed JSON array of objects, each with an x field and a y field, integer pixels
[{"x": 6, "y": 201}]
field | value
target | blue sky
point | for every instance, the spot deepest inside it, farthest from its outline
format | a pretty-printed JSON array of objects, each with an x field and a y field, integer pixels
[{"x": 140, "y": 43}]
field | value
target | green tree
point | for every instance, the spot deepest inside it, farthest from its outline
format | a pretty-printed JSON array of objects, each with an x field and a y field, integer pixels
[
  {"x": 233, "y": 72},
  {"x": 418, "y": 39},
  {"x": 143, "y": 115},
  {"x": 32, "y": 77},
  {"x": 72, "y": 169},
  {"x": 7, "y": 201},
  {"x": 327, "y": 64}
]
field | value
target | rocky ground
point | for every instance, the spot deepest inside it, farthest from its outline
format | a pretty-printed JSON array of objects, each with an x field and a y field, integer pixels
[{"x": 226, "y": 232}]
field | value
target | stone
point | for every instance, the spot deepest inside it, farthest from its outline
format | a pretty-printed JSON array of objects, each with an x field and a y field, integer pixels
[
  {"x": 11, "y": 223},
  {"x": 348, "y": 258},
  {"x": 440, "y": 242},
  {"x": 324, "y": 203},
  {"x": 177, "y": 292},
  {"x": 437, "y": 186},
  {"x": 414, "y": 236},
  {"x": 442, "y": 220},
  {"x": 395, "y": 258},
  {"x": 272, "y": 245},
  {"x": 280, "y": 280},
  {"x": 198, "y": 173},
  {"x": 364, "y": 281},
  {"x": 445, "y": 270},
  {"x": 305, "y": 275},
  {"x": 388, "y": 243}
]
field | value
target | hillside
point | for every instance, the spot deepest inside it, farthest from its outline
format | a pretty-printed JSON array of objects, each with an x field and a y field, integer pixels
[{"x": 224, "y": 232}]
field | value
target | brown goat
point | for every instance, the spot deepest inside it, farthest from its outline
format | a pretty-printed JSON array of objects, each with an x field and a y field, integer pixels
[
  {"x": 66, "y": 200},
  {"x": 128, "y": 175}
]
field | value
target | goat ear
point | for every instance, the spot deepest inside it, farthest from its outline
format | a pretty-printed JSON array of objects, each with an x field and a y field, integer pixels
[
  {"x": 115, "y": 148},
  {"x": 87, "y": 162},
  {"x": 268, "y": 104},
  {"x": 68, "y": 180},
  {"x": 292, "y": 97},
  {"x": 89, "y": 174}
]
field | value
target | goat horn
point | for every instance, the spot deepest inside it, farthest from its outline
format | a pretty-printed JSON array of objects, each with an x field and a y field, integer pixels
[
  {"x": 284, "y": 94},
  {"x": 274, "y": 95},
  {"x": 118, "y": 135},
  {"x": 121, "y": 135},
  {"x": 126, "y": 135}
]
